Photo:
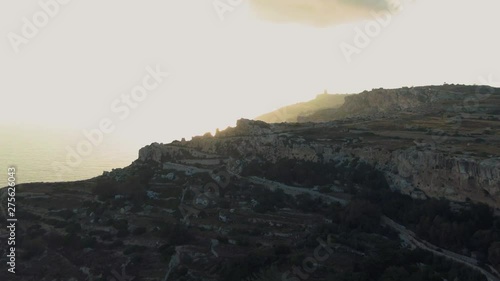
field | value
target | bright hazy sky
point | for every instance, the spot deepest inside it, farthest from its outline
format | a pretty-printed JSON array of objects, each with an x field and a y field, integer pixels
[{"x": 252, "y": 62}]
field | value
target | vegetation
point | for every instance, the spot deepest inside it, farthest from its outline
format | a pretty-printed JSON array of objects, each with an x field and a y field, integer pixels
[
  {"x": 133, "y": 188},
  {"x": 309, "y": 174},
  {"x": 466, "y": 230}
]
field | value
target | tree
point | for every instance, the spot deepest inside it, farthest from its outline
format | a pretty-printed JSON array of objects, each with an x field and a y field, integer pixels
[
  {"x": 362, "y": 214},
  {"x": 494, "y": 254}
]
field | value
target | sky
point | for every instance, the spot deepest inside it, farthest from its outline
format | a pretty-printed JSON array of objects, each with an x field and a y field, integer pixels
[{"x": 225, "y": 59}]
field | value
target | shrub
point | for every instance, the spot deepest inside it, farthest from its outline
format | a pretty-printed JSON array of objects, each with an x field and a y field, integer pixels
[
  {"x": 105, "y": 188},
  {"x": 88, "y": 242},
  {"x": 116, "y": 244},
  {"x": 282, "y": 250},
  {"x": 223, "y": 240},
  {"x": 32, "y": 248},
  {"x": 72, "y": 241},
  {"x": 54, "y": 240},
  {"x": 65, "y": 214},
  {"x": 55, "y": 223},
  {"x": 134, "y": 249},
  {"x": 106, "y": 236},
  {"x": 139, "y": 230},
  {"x": 136, "y": 259},
  {"x": 166, "y": 251},
  {"x": 120, "y": 224},
  {"x": 73, "y": 227},
  {"x": 176, "y": 235},
  {"x": 35, "y": 231},
  {"x": 122, "y": 233}
]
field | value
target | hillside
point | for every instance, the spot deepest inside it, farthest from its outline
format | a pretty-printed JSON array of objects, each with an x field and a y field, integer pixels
[
  {"x": 380, "y": 102},
  {"x": 399, "y": 184}
]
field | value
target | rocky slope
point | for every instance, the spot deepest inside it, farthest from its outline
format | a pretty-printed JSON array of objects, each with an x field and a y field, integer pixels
[
  {"x": 420, "y": 100},
  {"x": 427, "y": 141},
  {"x": 408, "y": 166}
]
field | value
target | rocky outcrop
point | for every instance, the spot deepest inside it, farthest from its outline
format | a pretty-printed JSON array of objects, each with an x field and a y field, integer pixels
[
  {"x": 452, "y": 177},
  {"x": 153, "y": 152},
  {"x": 422, "y": 100},
  {"x": 382, "y": 101}
]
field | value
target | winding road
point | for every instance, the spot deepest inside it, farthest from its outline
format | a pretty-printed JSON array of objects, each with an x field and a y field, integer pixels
[{"x": 404, "y": 233}]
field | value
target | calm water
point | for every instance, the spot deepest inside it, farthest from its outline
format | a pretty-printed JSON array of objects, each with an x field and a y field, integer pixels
[{"x": 34, "y": 152}]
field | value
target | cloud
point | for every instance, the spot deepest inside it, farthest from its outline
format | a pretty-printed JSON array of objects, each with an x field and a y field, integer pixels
[{"x": 318, "y": 12}]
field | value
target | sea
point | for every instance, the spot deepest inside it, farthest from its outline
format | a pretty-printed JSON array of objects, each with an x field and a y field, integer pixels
[{"x": 49, "y": 156}]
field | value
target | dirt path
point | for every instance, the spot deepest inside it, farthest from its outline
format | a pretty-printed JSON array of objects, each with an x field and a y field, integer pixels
[
  {"x": 410, "y": 237},
  {"x": 405, "y": 234}
]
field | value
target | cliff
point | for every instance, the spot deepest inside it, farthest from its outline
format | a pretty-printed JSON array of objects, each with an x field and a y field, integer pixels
[{"x": 411, "y": 135}]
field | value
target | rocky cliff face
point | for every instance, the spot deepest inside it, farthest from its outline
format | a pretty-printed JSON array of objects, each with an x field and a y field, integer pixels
[
  {"x": 388, "y": 100},
  {"x": 461, "y": 165},
  {"x": 409, "y": 170},
  {"x": 452, "y": 177}
]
